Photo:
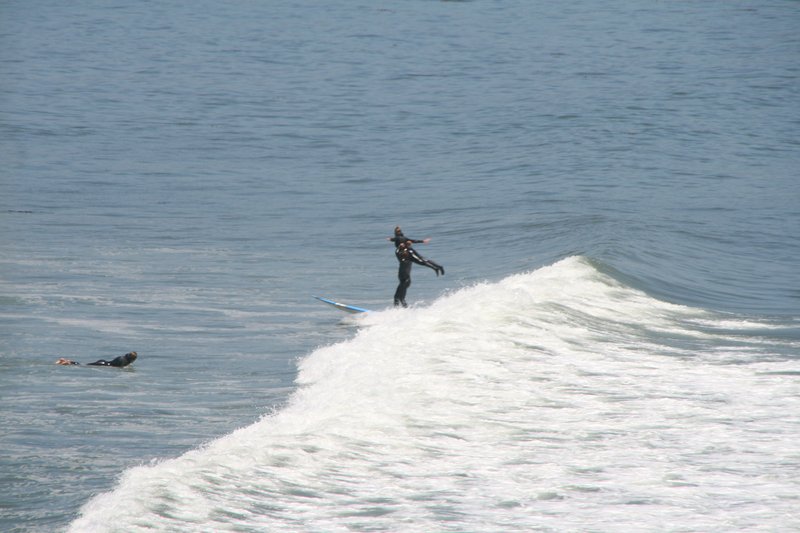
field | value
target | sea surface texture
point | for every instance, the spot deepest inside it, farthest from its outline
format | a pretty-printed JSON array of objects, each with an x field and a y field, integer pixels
[{"x": 613, "y": 189}]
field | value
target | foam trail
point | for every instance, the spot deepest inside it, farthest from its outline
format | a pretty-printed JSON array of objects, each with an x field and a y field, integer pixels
[{"x": 559, "y": 398}]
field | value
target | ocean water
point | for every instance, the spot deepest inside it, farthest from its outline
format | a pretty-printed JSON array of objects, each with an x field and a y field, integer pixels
[{"x": 613, "y": 190}]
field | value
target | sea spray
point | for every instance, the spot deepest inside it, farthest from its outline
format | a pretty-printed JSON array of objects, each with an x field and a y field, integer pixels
[{"x": 555, "y": 399}]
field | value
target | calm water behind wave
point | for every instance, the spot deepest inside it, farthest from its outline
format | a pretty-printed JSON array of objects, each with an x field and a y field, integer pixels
[{"x": 179, "y": 180}]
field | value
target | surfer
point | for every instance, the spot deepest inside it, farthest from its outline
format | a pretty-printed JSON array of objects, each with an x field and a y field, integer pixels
[
  {"x": 120, "y": 362},
  {"x": 407, "y": 256},
  {"x": 399, "y": 238}
]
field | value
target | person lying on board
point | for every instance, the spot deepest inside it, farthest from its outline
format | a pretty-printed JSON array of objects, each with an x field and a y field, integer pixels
[
  {"x": 120, "y": 362},
  {"x": 399, "y": 238}
]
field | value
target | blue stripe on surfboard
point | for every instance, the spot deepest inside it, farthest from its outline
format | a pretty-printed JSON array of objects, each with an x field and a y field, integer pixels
[{"x": 343, "y": 307}]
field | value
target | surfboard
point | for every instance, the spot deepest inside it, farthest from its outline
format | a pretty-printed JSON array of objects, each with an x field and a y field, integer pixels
[{"x": 343, "y": 307}]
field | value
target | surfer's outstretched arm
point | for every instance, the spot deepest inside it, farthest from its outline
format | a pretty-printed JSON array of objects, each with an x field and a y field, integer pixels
[{"x": 400, "y": 238}]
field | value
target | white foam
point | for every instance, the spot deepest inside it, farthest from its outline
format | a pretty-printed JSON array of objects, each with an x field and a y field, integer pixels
[{"x": 558, "y": 399}]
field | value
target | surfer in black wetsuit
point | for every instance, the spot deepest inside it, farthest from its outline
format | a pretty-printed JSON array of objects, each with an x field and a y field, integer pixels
[
  {"x": 119, "y": 362},
  {"x": 407, "y": 256},
  {"x": 403, "y": 274}
]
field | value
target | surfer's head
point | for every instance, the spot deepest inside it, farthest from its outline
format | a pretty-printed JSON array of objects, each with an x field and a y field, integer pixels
[
  {"x": 397, "y": 230},
  {"x": 130, "y": 357},
  {"x": 65, "y": 361}
]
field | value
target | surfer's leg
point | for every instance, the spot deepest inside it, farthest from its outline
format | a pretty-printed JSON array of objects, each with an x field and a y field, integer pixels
[
  {"x": 424, "y": 261},
  {"x": 434, "y": 266},
  {"x": 400, "y": 293}
]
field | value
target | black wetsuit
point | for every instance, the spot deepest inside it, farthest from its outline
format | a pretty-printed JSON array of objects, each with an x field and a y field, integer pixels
[
  {"x": 418, "y": 259},
  {"x": 399, "y": 239},
  {"x": 404, "y": 275},
  {"x": 408, "y": 257},
  {"x": 121, "y": 361}
]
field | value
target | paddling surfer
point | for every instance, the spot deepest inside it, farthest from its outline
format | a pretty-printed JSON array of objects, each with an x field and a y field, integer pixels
[{"x": 119, "y": 362}]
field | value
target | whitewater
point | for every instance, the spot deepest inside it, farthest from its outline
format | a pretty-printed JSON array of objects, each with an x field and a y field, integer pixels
[{"x": 560, "y": 399}]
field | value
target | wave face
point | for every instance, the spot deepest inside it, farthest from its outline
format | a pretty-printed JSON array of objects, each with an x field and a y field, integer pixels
[{"x": 557, "y": 399}]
